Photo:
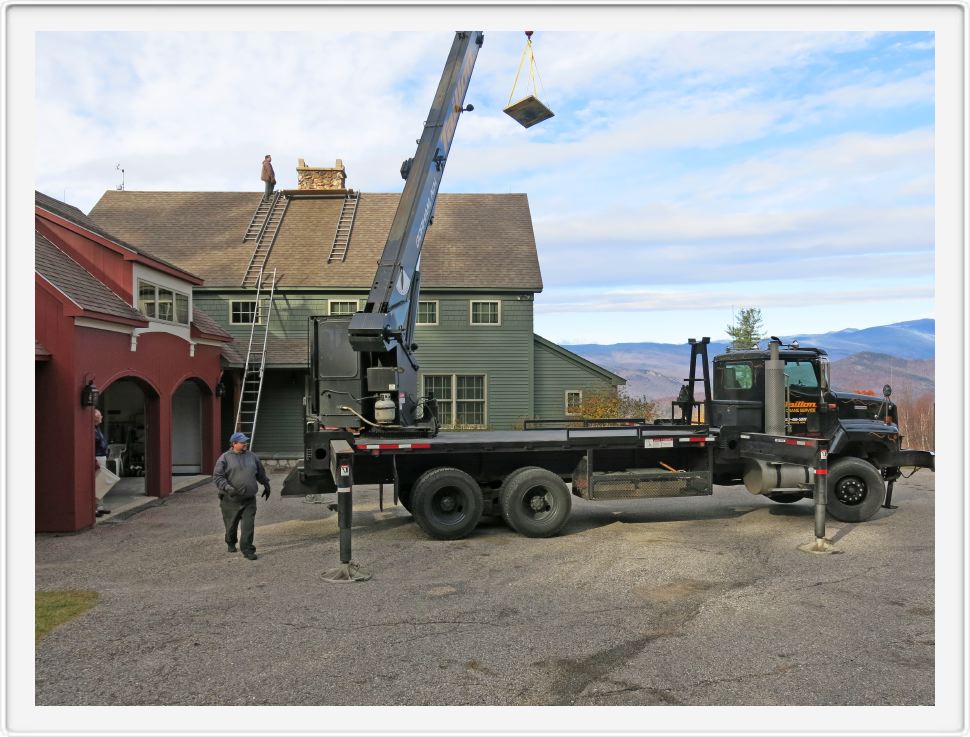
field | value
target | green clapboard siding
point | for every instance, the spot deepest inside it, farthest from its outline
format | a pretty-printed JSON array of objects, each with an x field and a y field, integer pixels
[
  {"x": 523, "y": 378},
  {"x": 288, "y": 317},
  {"x": 502, "y": 353},
  {"x": 280, "y": 423},
  {"x": 555, "y": 373}
]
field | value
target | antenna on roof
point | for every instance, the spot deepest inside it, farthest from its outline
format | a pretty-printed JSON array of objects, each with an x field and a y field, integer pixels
[{"x": 121, "y": 187}]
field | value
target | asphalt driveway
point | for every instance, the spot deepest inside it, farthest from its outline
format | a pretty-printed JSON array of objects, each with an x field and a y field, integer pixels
[{"x": 687, "y": 601}]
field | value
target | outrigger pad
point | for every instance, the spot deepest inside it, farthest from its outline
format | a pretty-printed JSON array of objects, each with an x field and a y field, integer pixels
[
  {"x": 528, "y": 111},
  {"x": 346, "y": 573}
]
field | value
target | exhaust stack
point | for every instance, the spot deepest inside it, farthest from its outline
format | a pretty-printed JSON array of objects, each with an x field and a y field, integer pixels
[{"x": 774, "y": 391}]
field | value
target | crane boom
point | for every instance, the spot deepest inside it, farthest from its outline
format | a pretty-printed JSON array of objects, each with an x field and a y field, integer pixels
[
  {"x": 387, "y": 319},
  {"x": 363, "y": 370}
]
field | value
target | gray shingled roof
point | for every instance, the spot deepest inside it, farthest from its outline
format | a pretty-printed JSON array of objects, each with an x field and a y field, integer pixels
[
  {"x": 74, "y": 215},
  {"x": 280, "y": 352},
  {"x": 232, "y": 357},
  {"x": 207, "y": 325},
  {"x": 79, "y": 285},
  {"x": 482, "y": 241}
]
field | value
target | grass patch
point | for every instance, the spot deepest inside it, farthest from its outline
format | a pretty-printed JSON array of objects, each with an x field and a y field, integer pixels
[{"x": 54, "y": 608}]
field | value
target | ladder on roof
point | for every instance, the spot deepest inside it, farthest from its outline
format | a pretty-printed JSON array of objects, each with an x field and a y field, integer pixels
[
  {"x": 263, "y": 229},
  {"x": 345, "y": 225},
  {"x": 255, "y": 367}
]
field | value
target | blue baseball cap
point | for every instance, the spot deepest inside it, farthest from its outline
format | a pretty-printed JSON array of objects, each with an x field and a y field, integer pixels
[{"x": 239, "y": 437}]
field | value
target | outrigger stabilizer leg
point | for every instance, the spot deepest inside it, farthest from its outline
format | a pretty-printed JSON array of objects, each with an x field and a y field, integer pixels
[
  {"x": 888, "y": 504},
  {"x": 342, "y": 467},
  {"x": 820, "y": 545}
]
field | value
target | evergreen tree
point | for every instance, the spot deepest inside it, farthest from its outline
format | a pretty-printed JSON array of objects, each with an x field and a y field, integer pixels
[{"x": 747, "y": 328}]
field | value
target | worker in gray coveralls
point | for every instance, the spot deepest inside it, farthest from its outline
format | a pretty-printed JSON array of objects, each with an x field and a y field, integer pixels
[{"x": 236, "y": 473}]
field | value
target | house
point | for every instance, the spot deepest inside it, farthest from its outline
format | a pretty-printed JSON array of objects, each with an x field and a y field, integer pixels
[
  {"x": 480, "y": 273},
  {"x": 116, "y": 329}
]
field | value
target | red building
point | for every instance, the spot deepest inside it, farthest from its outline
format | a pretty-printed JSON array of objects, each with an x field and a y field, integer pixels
[{"x": 114, "y": 318}]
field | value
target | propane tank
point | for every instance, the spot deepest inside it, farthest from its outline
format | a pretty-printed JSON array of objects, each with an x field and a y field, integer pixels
[
  {"x": 767, "y": 478},
  {"x": 384, "y": 410},
  {"x": 774, "y": 391}
]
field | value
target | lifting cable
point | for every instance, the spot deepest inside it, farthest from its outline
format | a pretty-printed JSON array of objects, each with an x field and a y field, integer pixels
[
  {"x": 529, "y": 110},
  {"x": 533, "y": 69}
]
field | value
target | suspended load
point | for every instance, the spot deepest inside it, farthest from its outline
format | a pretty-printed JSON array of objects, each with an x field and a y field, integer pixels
[{"x": 529, "y": 110}]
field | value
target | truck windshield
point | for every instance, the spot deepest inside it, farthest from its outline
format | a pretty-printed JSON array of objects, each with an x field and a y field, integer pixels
[
  {"x": 801, "y": 374},
  {"x": 734, "y": 376}
]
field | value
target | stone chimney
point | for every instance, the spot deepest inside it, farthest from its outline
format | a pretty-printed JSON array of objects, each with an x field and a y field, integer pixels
[{"x": 318, "y": 178}]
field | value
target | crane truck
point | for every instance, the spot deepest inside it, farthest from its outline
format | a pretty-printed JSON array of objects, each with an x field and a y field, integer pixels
[{"x": 768, "y": 419}]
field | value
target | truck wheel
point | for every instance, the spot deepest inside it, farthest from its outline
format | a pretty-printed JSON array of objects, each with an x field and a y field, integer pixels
[
  {"x": 446, "y": 503},
  {"x": 787, "y": 498},
  {"x": 854, "y": 491},
  {"x": 535, "y": 502}
]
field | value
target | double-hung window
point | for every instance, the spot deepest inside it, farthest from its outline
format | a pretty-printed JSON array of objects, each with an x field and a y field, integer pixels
[
  {"x": 485, "y": 312},
  {"x": 574, "y": 402},
  {"x": 244, "y": 312},
  {"x": 427, "y": 313},
  {"x": 461, "y": 399}
]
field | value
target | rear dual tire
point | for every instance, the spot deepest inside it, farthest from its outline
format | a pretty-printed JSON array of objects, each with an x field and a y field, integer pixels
[
  {"x": 446, "y": 503},
  {"x": 535, "y": 502}
]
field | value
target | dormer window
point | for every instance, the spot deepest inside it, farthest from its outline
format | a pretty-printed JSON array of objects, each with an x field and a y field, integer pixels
[{"x": 162, "y": 303}]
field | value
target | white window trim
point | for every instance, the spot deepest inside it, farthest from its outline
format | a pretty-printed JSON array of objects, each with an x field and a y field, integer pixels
[
  {"x": 342, "y": 314},
  {"x": 566, "y": 402},
  {"x": 147, "y": 282},
  {"x": 437, "y": 313},
  {"x": 485, "y": 324},
  {"x": 259, "y": 312},
  {"x": 454, "y": 398}
]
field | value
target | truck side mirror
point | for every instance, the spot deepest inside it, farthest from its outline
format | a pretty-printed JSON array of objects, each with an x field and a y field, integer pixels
[{"x": 887, "y": 390}]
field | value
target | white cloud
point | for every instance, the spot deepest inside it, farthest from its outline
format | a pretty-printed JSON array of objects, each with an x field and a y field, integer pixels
[
  {"x": 696, "y": 299},
  {"x": 682, "y": 158}
]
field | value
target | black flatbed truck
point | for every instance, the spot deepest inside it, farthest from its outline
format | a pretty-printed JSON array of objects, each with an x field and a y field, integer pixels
[{"x": 366, "y": 423}]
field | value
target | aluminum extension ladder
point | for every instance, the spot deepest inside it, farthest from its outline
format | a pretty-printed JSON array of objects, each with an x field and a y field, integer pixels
[
  {"x": 345, "y": 225},
  {"x": 255, "y": 368},
  {"x": 263, "y": 229}
]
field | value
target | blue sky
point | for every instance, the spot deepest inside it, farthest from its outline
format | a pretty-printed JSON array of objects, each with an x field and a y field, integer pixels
[{"x": 685, "y": 174}]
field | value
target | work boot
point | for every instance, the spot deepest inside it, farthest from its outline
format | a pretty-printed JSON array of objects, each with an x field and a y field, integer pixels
[
  {"x": 232, "y": 548},
  {"x": 250, "y": 556}
]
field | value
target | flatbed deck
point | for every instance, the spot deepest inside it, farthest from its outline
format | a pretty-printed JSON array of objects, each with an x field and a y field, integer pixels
[{"x": 573, "y": 437}]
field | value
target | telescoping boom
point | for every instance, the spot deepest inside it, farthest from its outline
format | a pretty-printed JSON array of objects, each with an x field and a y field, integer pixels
[{"x": 383, "y": 332}]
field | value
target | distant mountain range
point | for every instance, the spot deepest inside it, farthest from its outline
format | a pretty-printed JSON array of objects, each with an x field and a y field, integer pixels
[{"x": 901, "y": 354}]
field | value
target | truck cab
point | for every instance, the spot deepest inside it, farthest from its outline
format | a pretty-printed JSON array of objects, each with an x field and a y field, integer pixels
[
  {"x": 864, "y": 444},
  {"x": 739, "y": 391}
]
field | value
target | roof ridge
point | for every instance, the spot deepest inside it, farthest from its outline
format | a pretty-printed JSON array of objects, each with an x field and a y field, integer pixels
[{"x": 121, "y": 193}]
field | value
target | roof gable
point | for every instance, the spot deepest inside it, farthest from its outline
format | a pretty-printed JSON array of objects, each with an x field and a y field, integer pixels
[
  {"x": 77, "y": 218},
  {"x": 477, "y": 241},
  {"x": 78, "y": 285},
  {"x": 614, "y": 379}
]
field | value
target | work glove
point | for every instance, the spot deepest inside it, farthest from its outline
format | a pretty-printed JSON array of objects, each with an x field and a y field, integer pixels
[{"x": 266, "y": 492}]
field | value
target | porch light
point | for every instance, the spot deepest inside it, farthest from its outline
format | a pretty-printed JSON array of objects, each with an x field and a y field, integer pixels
[{"x": 89, "y": 394}]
